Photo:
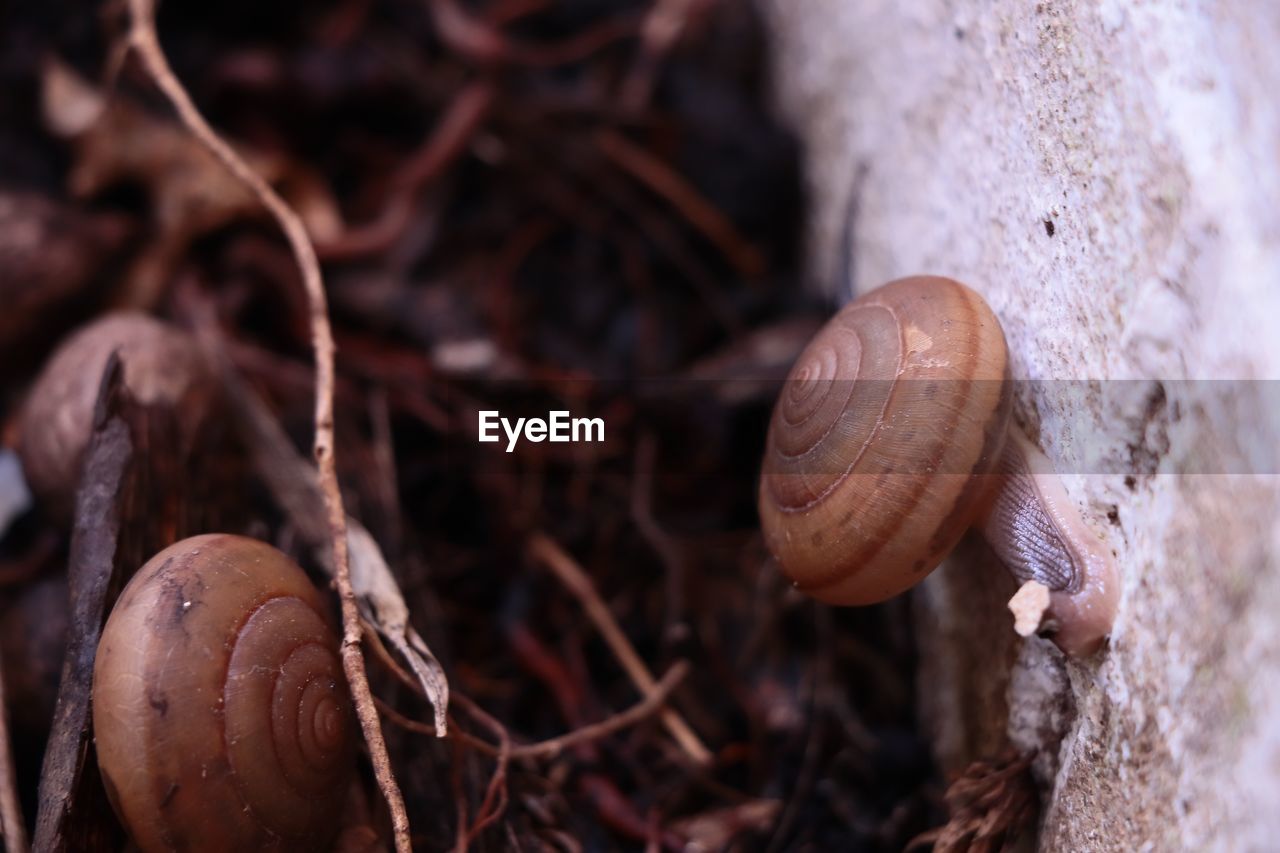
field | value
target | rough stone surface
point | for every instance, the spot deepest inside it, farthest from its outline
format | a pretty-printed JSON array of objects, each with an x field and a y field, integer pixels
[{"x": 1107, "y": 174}]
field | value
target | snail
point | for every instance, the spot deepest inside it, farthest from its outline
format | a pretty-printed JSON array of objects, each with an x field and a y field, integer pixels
[
  {"x": 893, "y": 435},
  {"x": 220, "y": 712},
  {"x": 162, "y": 366}
]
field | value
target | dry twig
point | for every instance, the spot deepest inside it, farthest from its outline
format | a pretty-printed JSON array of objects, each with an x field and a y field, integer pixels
[
  {"x": 637, "y": 713},
  {"x": 659, "y": 540},
  {"x": 145, "y": 43},
  {"x": 480, "y": 41},
  {"x": 554, "y": 747},
  {"x": 676, "y": 189},
  {"x": 663, "y": 26},
  {"x": 495, "y": 795},
  {"x": 569, "y": 573},
  {"x": 446, "y": 144}
]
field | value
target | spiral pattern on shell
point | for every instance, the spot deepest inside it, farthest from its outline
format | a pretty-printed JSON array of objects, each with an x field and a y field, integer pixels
[
  {"x": 882, "y": 441},
  {"x": 221, "y": 713}
]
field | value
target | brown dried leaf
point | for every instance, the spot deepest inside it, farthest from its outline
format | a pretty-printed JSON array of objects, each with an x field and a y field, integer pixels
[
  {"x": 382, "y": 603},
  {"x": 115, "y": 141},
  {"x": 70, "y": 106}
]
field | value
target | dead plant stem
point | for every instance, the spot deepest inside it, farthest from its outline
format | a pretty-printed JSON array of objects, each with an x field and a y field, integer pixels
[
  {"x": 547, "y": 552},
  {"x": 146, "y": 44}
]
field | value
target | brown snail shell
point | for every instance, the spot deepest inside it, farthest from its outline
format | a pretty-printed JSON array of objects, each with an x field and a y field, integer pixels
[
  {"x": 162, "y": 366},
  {"x": 892, "y": 437},
  {"x": 885, "y": 419},
  {"x": 221, "y": 714}
]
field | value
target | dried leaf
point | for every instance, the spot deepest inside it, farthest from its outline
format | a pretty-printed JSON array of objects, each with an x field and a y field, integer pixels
[
  {"x": 116, "y": 141},
  {"x": 69, "y": 104},
  {"x": 382, "y": 603}
]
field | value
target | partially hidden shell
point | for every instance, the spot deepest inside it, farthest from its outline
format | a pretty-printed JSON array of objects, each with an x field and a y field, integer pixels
[{"x": 162, "y": 366}]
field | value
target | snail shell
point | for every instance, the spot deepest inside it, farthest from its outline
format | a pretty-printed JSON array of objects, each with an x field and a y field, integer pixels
[
  {"x": 221, "y": 714},
  {"x": 879, "y": 445},
  {"x": 893, "y": 435},
  {"x": 162, "y": 366}
]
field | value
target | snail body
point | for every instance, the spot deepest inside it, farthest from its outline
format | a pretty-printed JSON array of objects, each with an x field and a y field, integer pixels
[
  {"x": 220, "y": 711},
  {"x": 893, "y": 436}
]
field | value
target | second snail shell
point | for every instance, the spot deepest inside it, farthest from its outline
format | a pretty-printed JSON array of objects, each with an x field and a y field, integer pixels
[
  {"x": 220, "y": 712},
  {"x": 881, "y": 444}
]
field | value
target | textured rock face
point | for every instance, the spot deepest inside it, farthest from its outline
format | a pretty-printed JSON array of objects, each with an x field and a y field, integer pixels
[{"x": 1107, "y": 175}]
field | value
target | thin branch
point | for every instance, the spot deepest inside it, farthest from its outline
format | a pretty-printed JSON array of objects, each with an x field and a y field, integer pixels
[
  {"x": 495, "y": 799},
  {"x": 659, "y": 540},
  {"x": 553, "y": 747},
  {"x": 409, "y": 724},
  {"x": 453, "y": 133},
  {"x": 569, "y": 573},
  {"x": 495, "y": 795},
  {"x": 146, "y": 44},
  {"x": 663, "y": 26},
  {"x": 637, "y": 713},
  {"x": 482, "y": 42},
  {"x": 676, "y": 189}
]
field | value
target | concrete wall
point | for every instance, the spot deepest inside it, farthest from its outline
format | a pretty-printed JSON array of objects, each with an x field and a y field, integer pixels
[{"x": 1107, "y": 174}]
